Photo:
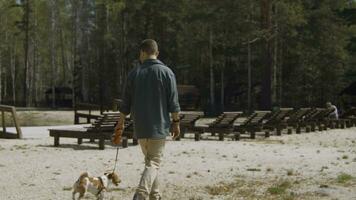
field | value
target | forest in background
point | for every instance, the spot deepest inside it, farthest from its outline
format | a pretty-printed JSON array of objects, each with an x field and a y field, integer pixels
[{"x": 240, "y": 54}]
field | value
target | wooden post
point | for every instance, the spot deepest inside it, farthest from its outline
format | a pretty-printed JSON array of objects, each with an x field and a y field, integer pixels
[
  {"x": 3, "y": 122},
  {"x": 253, "y": 134},
  {"x": 237, "y": 136},
  {"x": 134, "y": 141},
  {"x": 321, "y": 127},
  {"x": 267, "y": 134},
  {"x": 56, "y": 140},
  {"x": 124, "y": 142},
  {"x": 297, "y": 130},
  {"x": 313, "y": 127},
  {"x": 221, "y": 136},
  {"x": 17, "y": 126},
  {"x": 197, "y": 136},
  {"x": 307, "y": 129},
  {"x": 101, "y": 144},
  {"x": 290, "y": 131},
  {"x": 80, "y": 140}
]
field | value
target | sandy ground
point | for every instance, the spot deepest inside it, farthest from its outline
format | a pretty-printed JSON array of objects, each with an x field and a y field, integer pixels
[{"x": 320, "y": 165}]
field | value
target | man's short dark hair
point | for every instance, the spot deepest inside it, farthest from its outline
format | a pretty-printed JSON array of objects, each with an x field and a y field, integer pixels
[{"x": 149, "y": 46}]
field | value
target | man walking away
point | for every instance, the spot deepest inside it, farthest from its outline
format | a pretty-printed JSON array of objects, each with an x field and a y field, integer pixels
[{"x": 150, "y": 97}]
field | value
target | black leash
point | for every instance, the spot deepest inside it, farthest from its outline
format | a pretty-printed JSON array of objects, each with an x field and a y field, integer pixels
[{"x": 117, "y": 153}]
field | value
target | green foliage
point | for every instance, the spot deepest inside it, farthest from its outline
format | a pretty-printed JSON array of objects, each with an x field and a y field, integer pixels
[
  {"x": 313, "y": 46},
  {"x": 280, "y": 188},
  {"x": 344, "y": 178}
]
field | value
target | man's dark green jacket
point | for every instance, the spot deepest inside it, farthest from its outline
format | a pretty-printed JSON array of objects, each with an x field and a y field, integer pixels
[{"x": 150, "y": 95}]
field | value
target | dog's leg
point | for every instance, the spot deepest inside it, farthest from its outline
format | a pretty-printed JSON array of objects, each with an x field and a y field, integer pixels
[
  {"x": 101, "y": 195},
  {"x": 81, "y": 195},
  {"x": 73, "y": 194},
  {"x": 81, "y": 191}
]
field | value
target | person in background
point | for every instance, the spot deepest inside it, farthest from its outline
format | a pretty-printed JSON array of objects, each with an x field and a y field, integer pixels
[
  {"x": 334, "y": 114},
  {"x": 151, "y": 97}
]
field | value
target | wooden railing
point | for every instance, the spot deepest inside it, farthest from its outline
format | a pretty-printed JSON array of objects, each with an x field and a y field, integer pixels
[{"x": 12, "y": 111}]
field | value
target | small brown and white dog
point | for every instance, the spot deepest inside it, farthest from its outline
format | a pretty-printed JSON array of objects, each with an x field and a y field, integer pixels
[{"x": 95, "y": 185}]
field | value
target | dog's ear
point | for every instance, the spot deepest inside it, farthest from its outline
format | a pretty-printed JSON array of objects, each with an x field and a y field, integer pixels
[
  {"x": 110, "y": 176},
  {"x": 106, "y": 174}
]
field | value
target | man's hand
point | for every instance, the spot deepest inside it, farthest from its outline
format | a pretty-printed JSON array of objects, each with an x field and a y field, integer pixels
[
  {"x": 116, "y": 139},
  {"x": 175, "y": 130}
]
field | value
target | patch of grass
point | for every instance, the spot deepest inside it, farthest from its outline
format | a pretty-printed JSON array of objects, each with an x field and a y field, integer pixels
[
  {"x": 323, "y": 168},
  {"x": 344, "y": 178},
  {"x": 280, "y": 188},
  {"x": 67, "y": 188},
  {"x": 253, "y": 170},
  {"x": 195, "y": 198},
  {"x": 21, "y": 147},
  {"x": 221, "y": 189},
  {"x": 345, "y": 157},
  {"x": 290, "y": 172}
]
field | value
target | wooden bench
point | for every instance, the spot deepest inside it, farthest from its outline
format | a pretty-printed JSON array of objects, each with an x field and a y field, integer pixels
[
  {"x": 296, "y": 118},
  {"x": 84, "y": 110},
  {"x": 252, "y": 124},
  {"x": 276, "y": 120},
  {"x": 223, "y": 125},
  {"x": 318, "y": 119},
  {"x": 4, "y": 133},
  {"x": 348, "y": 118},
  {"x": 102, "y": 129},
  {"x": 187, "y": 122}
]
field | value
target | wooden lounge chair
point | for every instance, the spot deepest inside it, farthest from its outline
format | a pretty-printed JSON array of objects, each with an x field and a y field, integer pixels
[
  {"x": 311, "y": 118},
  {"x": 187, "y": 122},
  {"x": 84, "y": 110},
  {"x": 297, "y": 117},
  {"x": 348, "y": 118},
  {"x": 276, "y": 120},
  {"x": 223, "y": 125},
  {"x": 102, "y": 129},
  {"x": 251, "y": 125},
  {"x": 319, "y": 119},
  {"x": 5, "y": 133}
]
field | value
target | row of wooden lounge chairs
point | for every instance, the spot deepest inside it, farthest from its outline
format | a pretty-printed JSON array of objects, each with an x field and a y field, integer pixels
[
  {"x": 238, "y": 124},
  {"x": 229, "y": 124}
]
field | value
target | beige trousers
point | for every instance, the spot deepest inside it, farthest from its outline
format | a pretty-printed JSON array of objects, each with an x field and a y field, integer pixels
[{"x": 153, "y": 152}]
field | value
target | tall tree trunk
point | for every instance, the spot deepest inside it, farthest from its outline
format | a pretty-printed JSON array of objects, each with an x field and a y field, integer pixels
[
  {"x": 1, "y": 75},
  {"x": 64, "y": 57},
  {"x": 26, "y": 50},
  {"x": 13, "y": 72},
  {"x": 33, "y": 73},
  {"x": 280, "y": 74},
  {"x": 74, "y": 48},
  {"x": 211, "y": 67},
  {"x": 222, "y": 89},
  {"x": 266, "y": 98},
  {"x": 249, "y": 78},
  {"x": 275, "y": 61},
  {"x": 53, "y": 52}
]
